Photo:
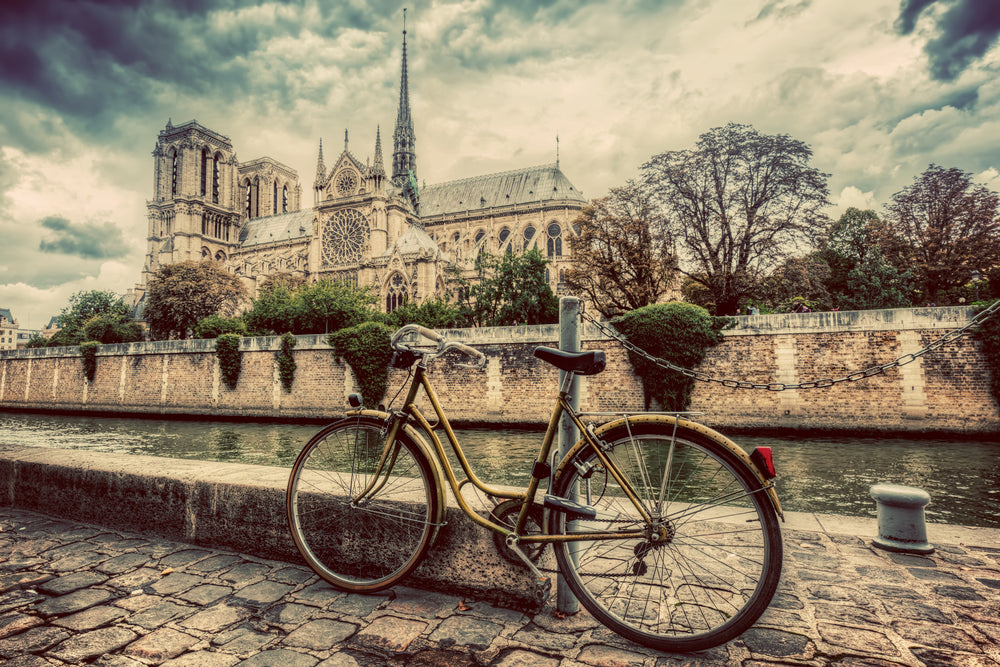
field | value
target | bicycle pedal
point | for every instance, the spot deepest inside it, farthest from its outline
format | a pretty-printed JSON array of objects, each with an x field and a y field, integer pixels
[{"x": 542, "y": 588}]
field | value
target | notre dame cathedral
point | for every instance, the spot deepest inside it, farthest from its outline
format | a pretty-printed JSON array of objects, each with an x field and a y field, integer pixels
[{"x": 365, "y": 225}]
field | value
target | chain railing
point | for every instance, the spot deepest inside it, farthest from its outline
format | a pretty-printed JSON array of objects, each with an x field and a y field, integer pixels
[{"x": 949, "y": 337}]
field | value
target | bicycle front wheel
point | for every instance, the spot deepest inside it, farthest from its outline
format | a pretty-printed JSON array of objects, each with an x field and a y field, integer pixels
[
  {"x": 361, "y": 541},
  {"x": 709, "y": 560}
]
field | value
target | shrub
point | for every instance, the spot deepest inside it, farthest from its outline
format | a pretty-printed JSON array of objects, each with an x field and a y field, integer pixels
[
  {"x": 366, "y": 349},
  {"x": 678, "y": 332},
  {"x": 227, "y": 347},
  {"x": 88, "y": 354},
  {"x": 286, "y": 362},
  {"x": 214, "y": 326}
]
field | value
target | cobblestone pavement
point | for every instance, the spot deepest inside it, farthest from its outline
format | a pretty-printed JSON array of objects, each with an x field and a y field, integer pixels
[{"x": 78, "y": 594}]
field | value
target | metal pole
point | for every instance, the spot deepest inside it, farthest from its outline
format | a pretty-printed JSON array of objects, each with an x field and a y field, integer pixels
[{"x": 569, "y": 341}]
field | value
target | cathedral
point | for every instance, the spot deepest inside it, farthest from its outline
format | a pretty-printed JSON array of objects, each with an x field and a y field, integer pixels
[{"x": 366, "y": 225}]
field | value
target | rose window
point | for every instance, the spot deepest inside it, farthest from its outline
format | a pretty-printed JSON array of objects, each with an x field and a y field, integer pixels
[
  {"x": 345, "y": 237},
  {"x": 347, "y": 182}
]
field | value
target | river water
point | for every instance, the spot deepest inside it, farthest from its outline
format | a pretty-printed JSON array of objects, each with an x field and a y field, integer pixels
[{"x": 816, "y": 474}]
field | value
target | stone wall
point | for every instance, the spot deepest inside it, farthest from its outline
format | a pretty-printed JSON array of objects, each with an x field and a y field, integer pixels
[{"x": 944, "y": 391}]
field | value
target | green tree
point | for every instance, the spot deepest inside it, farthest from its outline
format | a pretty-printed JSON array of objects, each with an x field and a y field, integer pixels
[
  {"x": 951, "y": 228},
  {"x": 433, "y": 313},
  {"x": 740, "y": 203},
  {"x": 179, "y": 295},
  {"x": 512, "y": 290},
  {"x": 366, "y": 348},
  {"x": 797, "y": 278},
  {"x": 321, "y": 307},
  {"x": 623, "y": 258},
  {"x": 214, "y": 326},
  {"x": 108, "y": 316}
]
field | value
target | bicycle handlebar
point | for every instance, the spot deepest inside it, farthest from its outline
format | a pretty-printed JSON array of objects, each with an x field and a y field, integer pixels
[
  {"x": 442, "y": 346},
  {"x": 478, "y": 358},
  {"x": 420, "y": 331}
]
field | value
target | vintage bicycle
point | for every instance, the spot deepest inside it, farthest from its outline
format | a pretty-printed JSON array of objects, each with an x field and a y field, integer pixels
[{"x": 665, "y": 531}]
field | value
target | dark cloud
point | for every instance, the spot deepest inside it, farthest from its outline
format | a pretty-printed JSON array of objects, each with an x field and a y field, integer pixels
[
  {"x": 85, "y": 240},
  {"x": 782, "y": 9},
  {"x": 93, "y": 62},
  {"x": 966, "y": 30}
]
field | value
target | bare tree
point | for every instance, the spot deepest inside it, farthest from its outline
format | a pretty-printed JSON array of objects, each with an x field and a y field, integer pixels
[
  {"x": 623, "y": 258},
  {"x": 739, "y": 204},
  {"x": 951, "y": 228}
]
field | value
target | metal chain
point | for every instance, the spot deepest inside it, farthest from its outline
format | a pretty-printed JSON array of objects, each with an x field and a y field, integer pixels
[{"x": 949, "y": 337}]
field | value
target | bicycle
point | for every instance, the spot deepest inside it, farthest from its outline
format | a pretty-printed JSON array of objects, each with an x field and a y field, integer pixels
[{"x": 665, "y": 531}]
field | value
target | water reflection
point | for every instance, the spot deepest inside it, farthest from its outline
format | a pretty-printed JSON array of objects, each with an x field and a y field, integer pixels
[{"x": 829, "y": 475}]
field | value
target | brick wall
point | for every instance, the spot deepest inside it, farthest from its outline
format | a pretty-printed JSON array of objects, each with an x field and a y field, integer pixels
[{"x": 946, "y": 390}]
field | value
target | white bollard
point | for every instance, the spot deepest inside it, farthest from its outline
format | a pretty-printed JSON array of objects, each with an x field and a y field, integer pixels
[{"x": 901, "y": 524}]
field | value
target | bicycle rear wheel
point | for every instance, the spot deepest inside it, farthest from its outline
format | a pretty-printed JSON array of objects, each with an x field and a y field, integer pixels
[
  {"x": 370, "y": 543},
  {"x": 710, "y": 560}
]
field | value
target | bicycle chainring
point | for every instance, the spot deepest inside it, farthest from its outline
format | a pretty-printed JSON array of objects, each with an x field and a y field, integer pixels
[{"x": 506, "y": 514}]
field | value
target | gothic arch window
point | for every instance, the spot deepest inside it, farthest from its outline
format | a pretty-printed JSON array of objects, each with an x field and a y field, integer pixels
[
  {"x": 215, "y": 177},
  {"x": 206, "y": 253},
  {"x": 204, "y": 229},
  {"x": 247, "y": 188},
  {"x": 456, "y": 238},
  {"x": 174, "y": 169},
  {"x": 529, "y": 235},
  {"x": 480, "y": 234},
  {"x": 503, "y": 241},
  {"x": 274, "y": 199},
  {"x": 220, "y": 256},
  {"x": 204, "y": 171},
  {"x": 555, "y": 240},
  {"x": 256, "y": 197},
  {"x": 396, "y": 293},
  {"x": 284, "y": 199}
]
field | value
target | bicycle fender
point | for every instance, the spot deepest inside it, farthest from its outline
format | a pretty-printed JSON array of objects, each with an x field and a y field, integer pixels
[
  {"x": 700, "y": 429},
  {"x": 428, "y": 453}
]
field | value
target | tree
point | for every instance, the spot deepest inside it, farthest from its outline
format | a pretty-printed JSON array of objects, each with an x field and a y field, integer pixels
[
  {"x": 511, "y": 290},
  {"x": 179, "y": 295},
  {"x": 321, "y": 307},
  {"x": 433, "y": 313},
  {"x": 739, "y": 203},
  {"x": 950, "y": 226},
  {"x": 623, "y": 258},
  {"x": 96, "y": 315},
  {"x": 797, "y": 279}
]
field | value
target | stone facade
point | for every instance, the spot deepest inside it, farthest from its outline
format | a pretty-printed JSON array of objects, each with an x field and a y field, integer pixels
[
  {"x": 365, "y": 226},
  {"x": 942, "y": 391}
]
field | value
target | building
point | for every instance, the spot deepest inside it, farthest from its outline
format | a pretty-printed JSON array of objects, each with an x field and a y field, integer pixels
[
  {"x": 8, "y": 330},
  {"x": 366, "y": 225}
]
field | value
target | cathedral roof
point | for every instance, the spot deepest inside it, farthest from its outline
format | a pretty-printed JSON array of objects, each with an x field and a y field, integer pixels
[
  {"x": 519, "y": 186},
  {"x": 5, "y": 314},
  {"x": 274, "y": 228},
  {"x": 414, "y": 239}
]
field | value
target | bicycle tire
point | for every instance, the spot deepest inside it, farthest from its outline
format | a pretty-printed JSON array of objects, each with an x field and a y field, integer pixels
[
  {"x": 717, "y": 563},
  {"x": 367, "y": 546}
]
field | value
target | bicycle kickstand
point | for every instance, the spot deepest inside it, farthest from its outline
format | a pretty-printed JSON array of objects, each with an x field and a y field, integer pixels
[{"x": 543, "y": 584}]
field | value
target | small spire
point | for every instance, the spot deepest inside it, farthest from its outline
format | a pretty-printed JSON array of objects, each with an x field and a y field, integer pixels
[
  {"x": 345, "y": 139},
  {"x": 378, "y": 169},
  {"x": 320, "y": 166},
  {"x": 557, "y": 150}
]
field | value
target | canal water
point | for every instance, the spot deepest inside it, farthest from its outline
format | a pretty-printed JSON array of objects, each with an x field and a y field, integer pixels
[{"x": 816, "y": 474}]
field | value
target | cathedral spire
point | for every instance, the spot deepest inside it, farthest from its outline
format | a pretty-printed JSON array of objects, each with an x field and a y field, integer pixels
[
  {"x": 378, "y": 169},
  {"x": 320, "y": 167},
  {"x": 404, "y": 155}
]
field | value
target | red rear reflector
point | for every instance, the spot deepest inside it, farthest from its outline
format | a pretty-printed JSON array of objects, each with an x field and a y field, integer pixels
[{"x": 762, "y": 458}]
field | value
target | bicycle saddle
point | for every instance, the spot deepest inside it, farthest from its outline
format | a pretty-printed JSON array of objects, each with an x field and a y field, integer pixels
[{"x": 581, "y": 363}]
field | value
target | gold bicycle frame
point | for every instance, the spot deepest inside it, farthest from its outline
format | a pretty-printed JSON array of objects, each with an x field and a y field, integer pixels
[{"x": 527, "y": 497}]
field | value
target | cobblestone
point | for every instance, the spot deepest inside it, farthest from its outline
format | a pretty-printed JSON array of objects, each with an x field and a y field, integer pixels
[{"x": 75, "y": 594}]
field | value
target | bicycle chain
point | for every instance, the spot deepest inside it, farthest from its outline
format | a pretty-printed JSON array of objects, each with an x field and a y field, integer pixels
[{"x": 949, "y": 337}]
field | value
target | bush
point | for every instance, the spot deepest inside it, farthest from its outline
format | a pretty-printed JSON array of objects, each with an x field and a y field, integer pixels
[
  {"x": 227, "y": 347},
  {"x": 680, "y": 333},
  {"x": 88, "y": 355},
  {"x": 286, "y": 362},
  {"x": 214, "y": 326},
  {"x": 110, "y": 329},
  {"x": 366, "y": 349}
]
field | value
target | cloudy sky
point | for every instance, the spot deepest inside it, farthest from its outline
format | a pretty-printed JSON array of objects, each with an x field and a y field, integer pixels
[{"x": 878, "y": 88}]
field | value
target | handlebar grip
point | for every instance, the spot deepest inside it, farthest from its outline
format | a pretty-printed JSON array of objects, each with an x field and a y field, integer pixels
[
  {"x": 478, "y": 357},
  {"x": 420, "y": 331}
]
